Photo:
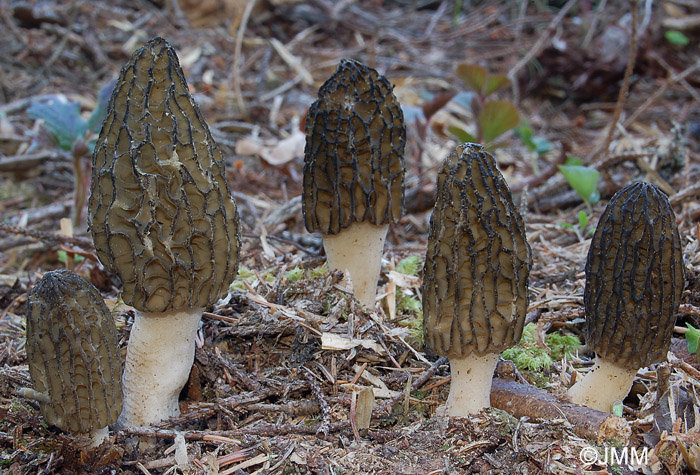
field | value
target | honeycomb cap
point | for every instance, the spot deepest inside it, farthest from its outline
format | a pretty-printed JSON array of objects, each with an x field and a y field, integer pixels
[
  {"x": 478, "y": 260},
  {"x": 73, "y": 354},
  {"x": 160, "y": 210},
  {"x": 353, "y": 159},
  {"x": 634, "y": 278}
]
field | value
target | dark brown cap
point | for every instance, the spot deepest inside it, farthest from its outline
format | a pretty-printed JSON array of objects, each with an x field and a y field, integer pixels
[
  {"x": 634, "y": 278},
  {"x": 160, "y": 210},
  {"x": 478, "y": 260},
  {"x": 353, "y": 160},
  {"x": 73, "y": 354}
]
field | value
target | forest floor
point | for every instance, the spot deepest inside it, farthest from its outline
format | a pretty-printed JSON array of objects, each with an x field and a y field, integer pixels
[{"x": 282, "y": 359}]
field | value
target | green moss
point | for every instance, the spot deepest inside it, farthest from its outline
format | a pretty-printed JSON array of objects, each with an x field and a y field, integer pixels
[
  {"x": 409, "y": 265},
  {"x": 245, "y": 274},
  {"x": 530, "y": 357},
  {"x": 319, "y": 271},
  {"x": 295, "y": 274}
]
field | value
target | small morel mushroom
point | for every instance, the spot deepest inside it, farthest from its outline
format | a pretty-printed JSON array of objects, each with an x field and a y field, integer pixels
[
  {"x": 164, "y": 221},
  {"x": 354, "y": 171},
  {"x": 634, "y": 282},
  {"x": 475, "y": 275},
  {"x": 74, "y": 360}
]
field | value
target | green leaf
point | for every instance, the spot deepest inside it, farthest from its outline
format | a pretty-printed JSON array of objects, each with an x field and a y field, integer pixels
[
  {"x": 525, "y": 133},
  {"x": 63, "y": 257},
  {"x": 542, "y": 145},
  {"x": 473, "y": 76},
  {"x": 496, "y": 83},
  {"x": 94, "y": 122},
  {"x": 570, "y": 160},
  {"x": 691, "y": 337},
  {"x": 497, "y": 118},
  {"x": 582, "y": 220},
  {"x": 676, "y": 38},
  {"x": 566, "y": 225},
  {"x": 62, "y": 119},
  {"x": 583, "y": 180},
  {"x": 462, "y": 135}
]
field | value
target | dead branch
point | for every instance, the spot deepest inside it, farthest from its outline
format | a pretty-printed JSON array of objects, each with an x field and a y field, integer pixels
[
  {"x": 262, "y": 430},
  {"x": 529, "y": 401},
  {"x": 49, "y": 238}
]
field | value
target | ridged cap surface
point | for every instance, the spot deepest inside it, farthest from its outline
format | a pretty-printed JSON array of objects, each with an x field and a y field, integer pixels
[
  {"x": 73, "y": 354},
  {"x": 353, "y": 159},
  {"x": 160, "y": 210},
  {"x": 477, "y": 262},
  {"x": 634, "y": 278}
]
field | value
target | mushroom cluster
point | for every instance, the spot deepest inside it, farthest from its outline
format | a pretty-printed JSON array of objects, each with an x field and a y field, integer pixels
[
  {"x": 354, "y": 171},
  {"x": 475, "y": 275},
  {"x": 74, "y": 359},
  {"x": 162, "y": 219},
  {"x": 634, "y": 282}
]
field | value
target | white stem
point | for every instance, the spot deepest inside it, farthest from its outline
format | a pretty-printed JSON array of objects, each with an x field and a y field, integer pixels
[
  {"x": 470, "y": 388},
  {"x": 158, "y": 362},
  {"x": 606, "y": 383},
  {"x": 98, "y": 436},
  {"x": 358, "y": 249}
]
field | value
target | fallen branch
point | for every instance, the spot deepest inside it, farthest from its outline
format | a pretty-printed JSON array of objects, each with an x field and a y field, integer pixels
[
  {"x": 263, "y": 430},
  {"x": 528, "y": 401}
]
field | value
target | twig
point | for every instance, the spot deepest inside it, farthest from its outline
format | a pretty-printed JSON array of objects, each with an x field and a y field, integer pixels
[
  {"x": 631, "y": 60},
  {"x": 263, "y": 430},
  {"x": 420, "y": 381},
  {"x": 594, "y": 24},
  {"x": 49, "y": 238},
  {"x": 538, "y": 46},
  {"x": 536, "y": 180},
  {"x": 18, "y": 163},
  {"x": 685, "y": 193},
  {"x": 237, "y": 58},
  {"x": 324, "y": 426}
]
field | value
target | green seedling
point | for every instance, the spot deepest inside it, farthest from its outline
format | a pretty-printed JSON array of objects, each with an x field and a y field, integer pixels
[
  {"x": 74, "y": 136},
  {"x": 493, "y": 117},
  {"x": 584, "y": 180},
  {"x": 63, "y": 257},
  {"x": 580, "y": 228},
  {"x": 692, "y": 337},
  {"x": 538, "y": 145},
  {"x": 676, "y": 38}
]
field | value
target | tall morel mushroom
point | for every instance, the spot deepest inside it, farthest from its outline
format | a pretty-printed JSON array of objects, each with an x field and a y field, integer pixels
[
  {"x": 164, "y": 221},
  {"x": 74, "y": 360},
  {"x": 634, "y": 282},
  {"x": 475, "y": 275},
  {"x": 354, "y": 171}
]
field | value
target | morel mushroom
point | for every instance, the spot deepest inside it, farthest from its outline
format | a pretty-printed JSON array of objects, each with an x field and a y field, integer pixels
[
  {"x": 475, "y": 275},
  {"x": 634, "y": 281},
  {"x": 354, "y": 171},
  {"x": 164, "y": 221},
  {"x": 74, "y": 360}
]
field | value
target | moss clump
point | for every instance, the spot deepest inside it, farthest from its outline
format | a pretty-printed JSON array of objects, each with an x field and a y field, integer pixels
[{"x": 530, "y": 357}]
